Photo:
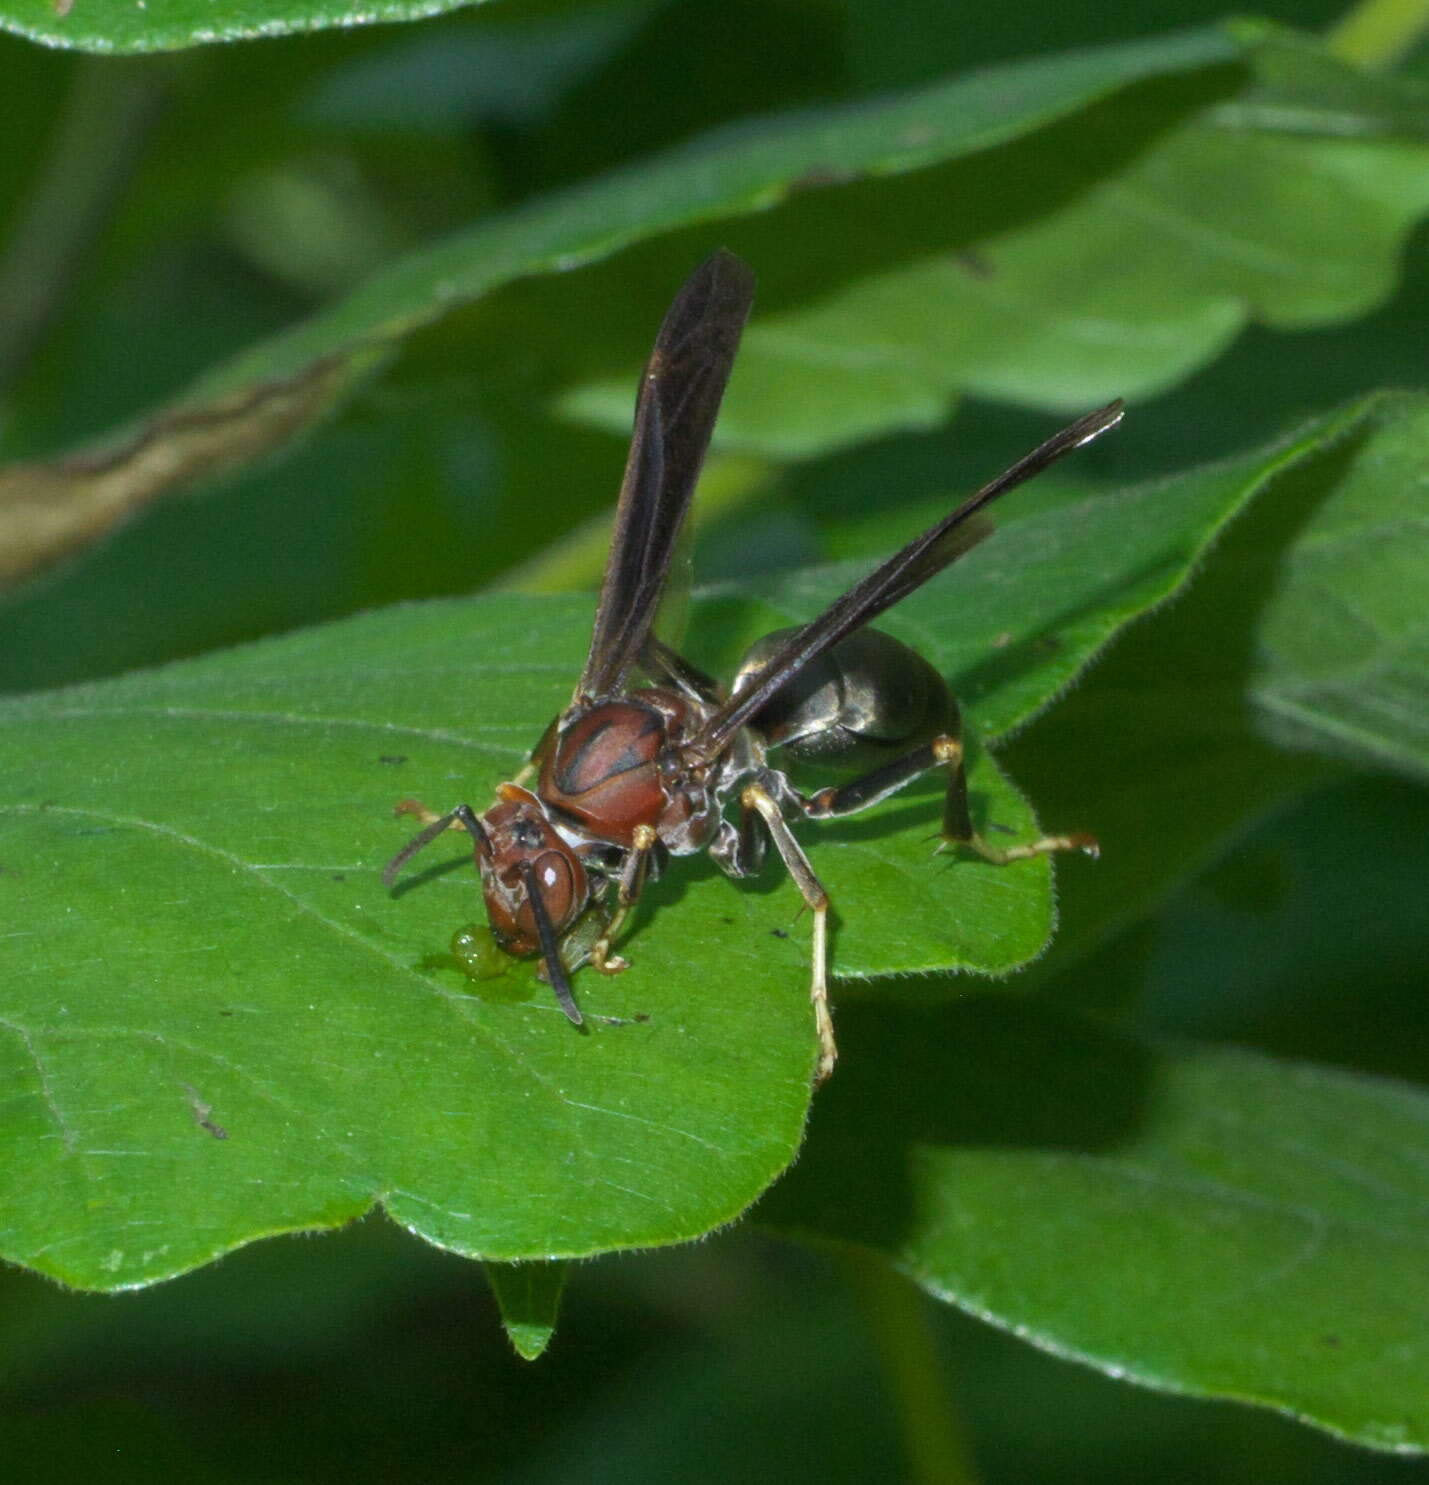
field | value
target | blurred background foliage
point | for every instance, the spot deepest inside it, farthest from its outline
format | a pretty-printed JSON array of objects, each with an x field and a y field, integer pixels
[{"x": 163, "y": 213}]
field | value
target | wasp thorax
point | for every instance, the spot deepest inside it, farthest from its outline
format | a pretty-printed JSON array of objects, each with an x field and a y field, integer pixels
[{"x": 603, "y": 772}]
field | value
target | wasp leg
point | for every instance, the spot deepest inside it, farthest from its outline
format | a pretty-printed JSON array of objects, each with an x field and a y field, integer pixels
[
  {"x": 739, "y": 850},
  {"x": 943, "y": 752},
  {"x": 633, "y": 873},
  {"x": 419, "y": 811},
  {"x": 797, "y": 863}
]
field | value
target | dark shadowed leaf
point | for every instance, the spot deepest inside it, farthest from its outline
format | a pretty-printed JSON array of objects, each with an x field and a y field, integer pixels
[
  {"x": 1211, "y": 1222},
  {"x": 1343, "y": 662},
  {"x": 731, "y": 172}
]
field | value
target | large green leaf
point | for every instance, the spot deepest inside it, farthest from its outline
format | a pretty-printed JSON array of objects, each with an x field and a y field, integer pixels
[
  {"x": 1344, "y": 656},
  {"x": 168, "y": 25},
  {"x": 748, "y": 167},
  {"x": 213, "y": 987},
  {"x": 210, "y": 973},
  {"x": 1206, "y": 1221},
  {"x": 1168, "y": 755},
  {"x": 1215, "y": 1223},
  {"x": 242, "y": 408},
  {"x": 1113, "y": 253}
]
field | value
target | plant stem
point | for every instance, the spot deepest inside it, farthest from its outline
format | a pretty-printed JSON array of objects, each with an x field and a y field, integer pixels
[
  {"x": 933, "y": 1433},
  {"x": 79, "y": 179},
  {"x": 1378, "y": 33}
]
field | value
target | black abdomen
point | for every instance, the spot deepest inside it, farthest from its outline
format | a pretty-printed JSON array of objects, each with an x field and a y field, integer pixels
[{"x": 867, "y": 700}]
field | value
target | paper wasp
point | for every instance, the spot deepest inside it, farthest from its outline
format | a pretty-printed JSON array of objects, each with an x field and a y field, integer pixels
[{"x": 634, "y": 771}]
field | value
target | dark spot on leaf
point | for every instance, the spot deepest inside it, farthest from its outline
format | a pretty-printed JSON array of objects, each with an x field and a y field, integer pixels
[
  {"x": 392, "y": 758},
  {"x": 202, "y": 1111},
  {"x": 339, "y": 876},
  {"x": 820, "y": 177},
  {"x": 974, "y": 264},
  {"x": 779, "y": 932}
]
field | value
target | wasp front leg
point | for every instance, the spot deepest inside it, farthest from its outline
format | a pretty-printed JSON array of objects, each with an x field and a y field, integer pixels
[
  {"x": 634, "y": 872},
  {"x": 945, "y": 751},
  {"x": 420, "y": 811}
]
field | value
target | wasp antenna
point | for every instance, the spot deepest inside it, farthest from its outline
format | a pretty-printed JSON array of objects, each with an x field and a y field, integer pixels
[
  {"x": 550, "y": 947},
  {"x": 463, "y": 813},
  {"x": 436, "y": 828}
]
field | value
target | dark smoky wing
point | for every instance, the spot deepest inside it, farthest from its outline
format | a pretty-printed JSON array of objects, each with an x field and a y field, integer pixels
[
  {"x": 876, "y": 594},
  {"x": 679, "y": 397},
  {"x": 667, "y": 667},
  {"x": 902, "y": 574}
]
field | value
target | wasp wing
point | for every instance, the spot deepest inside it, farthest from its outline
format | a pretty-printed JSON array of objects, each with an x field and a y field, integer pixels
[
  {"x": 921, "y": 559},
  {"x": 679, "y": 397}
]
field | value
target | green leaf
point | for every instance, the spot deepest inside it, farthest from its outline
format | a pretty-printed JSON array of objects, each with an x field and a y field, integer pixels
[
  {"x": 220, "y": 987},
  {"x": 1209, "y": 1222},
  {"x": 1028, "y": 294},
  {"x": 1031, "y": 606},
  {"x": 1213, "y": 1223},
  {"x": 1343, "y": 661},
  {"x": 530, "y": 1298},
  {"x": 212, "y": 985},
  {"x": 733, "y": 171},
  {"x": 168, "y": 25},
  {"x": 1166, "y": 754},
  {"x": 747, "y": 167},
  {"x": 1120, "y": 286}
]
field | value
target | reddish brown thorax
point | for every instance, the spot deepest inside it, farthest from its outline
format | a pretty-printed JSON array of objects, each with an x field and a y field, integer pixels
[
  {"x": 602, "y": 770},
  {"x": 518, "y": 831}
]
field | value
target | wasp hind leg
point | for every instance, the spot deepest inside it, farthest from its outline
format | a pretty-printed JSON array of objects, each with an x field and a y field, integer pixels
[
  {"x": 945, "y": 751},
  {"x": 957, "y": 822}
]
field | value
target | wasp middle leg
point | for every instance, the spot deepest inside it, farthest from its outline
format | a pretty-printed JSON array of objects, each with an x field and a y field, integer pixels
[{"x": 756, "y": 797}]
